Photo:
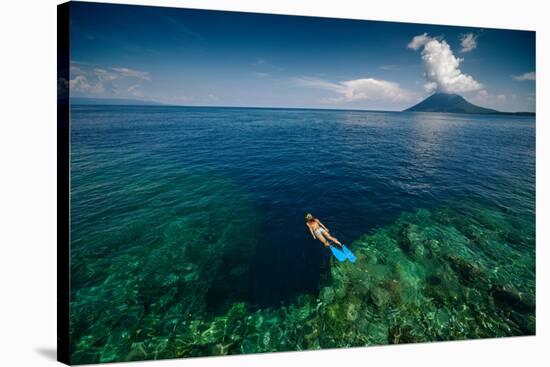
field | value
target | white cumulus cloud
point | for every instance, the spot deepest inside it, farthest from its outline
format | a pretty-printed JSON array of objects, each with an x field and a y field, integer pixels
[
  {"x": 91, "y": 81},
  {"x": 131, "y": 73},
  {"x": 361, "y": 89},
  {"x": 526, "y": 76},
  {"x": 468, "y": 42},
  {"x": 441, "y": 66},
  {"x": 80, "y": 83},
  {"x": 485, "y": 99},
  {"x": 419, "y": 41}
]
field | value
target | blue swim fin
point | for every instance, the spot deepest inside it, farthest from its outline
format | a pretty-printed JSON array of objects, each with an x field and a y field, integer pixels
[
  {"x": 351, "y": 257},
  {"x": 339, "y": 254}
]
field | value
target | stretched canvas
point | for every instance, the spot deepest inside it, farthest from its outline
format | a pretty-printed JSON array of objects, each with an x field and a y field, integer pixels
[{"x": 234, "y": 183}]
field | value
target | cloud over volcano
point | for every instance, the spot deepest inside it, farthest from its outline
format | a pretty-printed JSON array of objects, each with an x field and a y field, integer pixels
[{"x": 442, "y": 66}]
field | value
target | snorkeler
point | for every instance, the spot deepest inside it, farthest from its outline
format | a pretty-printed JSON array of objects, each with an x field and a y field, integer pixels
[{"x": 319, "y": 231}]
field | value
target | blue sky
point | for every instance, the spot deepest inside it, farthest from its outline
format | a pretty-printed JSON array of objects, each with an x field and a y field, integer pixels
[{"x": 194, "y": 57}]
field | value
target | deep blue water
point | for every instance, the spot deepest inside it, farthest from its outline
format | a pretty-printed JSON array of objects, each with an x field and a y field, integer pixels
[{"x": 148, "y": 177}]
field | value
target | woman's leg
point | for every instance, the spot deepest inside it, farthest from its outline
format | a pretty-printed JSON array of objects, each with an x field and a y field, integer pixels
[
  {"x": 323, "y": 240},
  {"x": 332, "y": 238}
]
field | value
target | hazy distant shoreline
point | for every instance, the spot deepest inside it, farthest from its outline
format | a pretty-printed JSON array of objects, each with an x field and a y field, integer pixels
[{"x": 121, "y": 102}]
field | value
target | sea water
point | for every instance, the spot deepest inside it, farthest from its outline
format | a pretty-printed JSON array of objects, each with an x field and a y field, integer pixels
[{"x": 188, "y": 235}]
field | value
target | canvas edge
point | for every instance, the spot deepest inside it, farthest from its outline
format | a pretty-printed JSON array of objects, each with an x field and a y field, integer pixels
[{"x": 63, "y": 182}]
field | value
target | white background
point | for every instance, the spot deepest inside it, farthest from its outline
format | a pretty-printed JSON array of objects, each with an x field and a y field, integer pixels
[{"x": 28, "y": 182}]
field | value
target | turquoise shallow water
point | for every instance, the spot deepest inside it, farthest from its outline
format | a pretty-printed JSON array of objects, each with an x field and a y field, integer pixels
[{"x": 188, "y": 236}]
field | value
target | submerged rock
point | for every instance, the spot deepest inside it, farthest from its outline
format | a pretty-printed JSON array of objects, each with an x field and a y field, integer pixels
[
  {"x": 395, "y": 289},
  {"x": 327, "y": 295},
  {"x": 352, "y": 312},
  {"x": 214, "y": 332},
  {"x": 255, "y": 321},
  {"x": 250, "y": 344},
  {"x": 401, "y": 334},
  {"x": 511, "y": 296},
  {"x": 380, "y": 297},
  {"x": 137, "y": 351},
  {"x": 468, "y": 271},
  {"x": 170, "y": 280},
  {"x": 108, "y": 354}
]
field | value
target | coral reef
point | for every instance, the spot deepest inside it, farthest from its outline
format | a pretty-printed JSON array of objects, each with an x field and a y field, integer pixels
[{"x": 446, "y": 274}]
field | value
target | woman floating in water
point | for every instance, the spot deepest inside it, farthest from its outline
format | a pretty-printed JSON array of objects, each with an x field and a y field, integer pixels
[{"x": 319, "y": 231}]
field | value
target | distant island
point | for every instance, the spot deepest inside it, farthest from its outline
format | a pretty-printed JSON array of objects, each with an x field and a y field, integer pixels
[
  {"x": 437, "y": 102},
  {"x": 454, "y": 103},
  {"x": 112, "y": 101}
]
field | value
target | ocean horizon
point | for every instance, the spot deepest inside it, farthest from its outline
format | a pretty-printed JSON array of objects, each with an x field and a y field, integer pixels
[{"x": 160, "y": 104}]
